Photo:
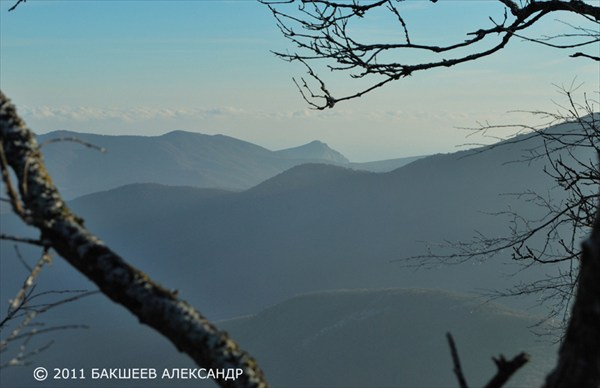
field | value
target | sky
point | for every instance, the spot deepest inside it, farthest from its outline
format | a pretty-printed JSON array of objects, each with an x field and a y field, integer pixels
[{"x": 150, "y": 67}]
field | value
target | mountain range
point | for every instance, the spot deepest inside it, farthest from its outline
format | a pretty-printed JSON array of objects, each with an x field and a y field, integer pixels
[
  {"x": 313, "y": 229},
  {"x": 177, "y": 158},
  {"x": 322, "y": 227}
]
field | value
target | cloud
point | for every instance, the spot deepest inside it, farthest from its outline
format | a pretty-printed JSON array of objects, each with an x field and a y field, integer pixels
[
  {"x": 135, "y": 114},
  {"x": 88, "y": 114},
  {"x": 128, "y": 115}
]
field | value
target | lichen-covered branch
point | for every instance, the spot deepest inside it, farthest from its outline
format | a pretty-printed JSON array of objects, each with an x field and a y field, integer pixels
[{"x": 152, "y": 304}]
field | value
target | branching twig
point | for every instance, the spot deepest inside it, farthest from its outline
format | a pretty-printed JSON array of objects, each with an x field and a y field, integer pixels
[
  {"x": 506, "y": 369},
  {"x": 21, "y": 307},
  {"x": 553, "y": 237},
  {"x": 322, "y": 31}
]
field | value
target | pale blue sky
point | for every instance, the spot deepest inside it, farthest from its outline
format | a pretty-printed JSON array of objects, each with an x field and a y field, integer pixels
[{"x": 149, "y": 67}]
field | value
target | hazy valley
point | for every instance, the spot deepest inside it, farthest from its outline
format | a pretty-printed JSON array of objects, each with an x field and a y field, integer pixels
[{"x": 264, "y": 241}]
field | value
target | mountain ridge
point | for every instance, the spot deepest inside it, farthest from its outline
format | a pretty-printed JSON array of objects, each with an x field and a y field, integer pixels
[
  {"x": 312, "y": 228},
  {"x": 175, "y": 158},
  {"x": 398, "y": 338},
  {"x": 312, "y": 221}
]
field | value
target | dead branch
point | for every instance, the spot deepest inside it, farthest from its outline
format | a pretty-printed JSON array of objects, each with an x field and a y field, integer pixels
[
  {"x": 16, "y": 4},
  {"x": 152, "y": 304},
  {"x": 462, "y": 382},
  {"x": 21, "y": 307},
  {"x": 506, "y": 369},
  {"x": 322, "y": 31},
  {"x": 579, "y": 355}
]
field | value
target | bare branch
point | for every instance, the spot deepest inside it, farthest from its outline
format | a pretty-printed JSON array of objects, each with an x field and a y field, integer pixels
[
  {"x": 24, "y": 240},
  {"x": 18, "y": 300},
  {"x": 74, "y": 140},
  {"x": 29, "y": 313},
  {"x": 579, "y": 54},
  {"x": 16, "y": 4},
  {"x": 553, "y": 237},
  {"x": 506, "y": 369},
  {"x": 321, "y": 30},
  {"x": 154, "y": 305},
  {"x": 579, "y": 356},
  {"x": 462, "y": 382},
  {"x": 21, "y": 307},
  {"x": 13, "y": 197}
]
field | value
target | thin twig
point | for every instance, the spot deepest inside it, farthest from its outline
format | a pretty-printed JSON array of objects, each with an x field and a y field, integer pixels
[
  {"x": 462, "y": 382},
  {"x": 25, "y": 240},
  {"x": 10, "y": 190},
  {"x": 16, "y": 4},
  {"x": 29, "y": 281},
  {"x": 74, "y": 140}
]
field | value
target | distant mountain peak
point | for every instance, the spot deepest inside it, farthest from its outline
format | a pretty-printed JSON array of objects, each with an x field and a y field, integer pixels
[
  {"x": 315, "y": 150},
  {"x": 180, "y": 132},
  {"x": 316, "y": 143},
  {"x": 305, "y": 176}
]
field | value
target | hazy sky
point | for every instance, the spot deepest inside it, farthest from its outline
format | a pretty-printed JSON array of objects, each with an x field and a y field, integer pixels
[{"x": 149, "y": 67}]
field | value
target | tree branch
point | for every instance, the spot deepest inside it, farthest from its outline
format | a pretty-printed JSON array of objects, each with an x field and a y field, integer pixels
[
  {"x": 16, "y": 4},
  {"x": 462, "y": 382},
  {"x": 322, "y": 30},
  {"x": 24, "y": 240},
  {"x": 579, "y": 54},
  {"x": 152, "y": 304},
  {"x": 506, "y": 369},
  {"x": 579, "y": 355}
]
